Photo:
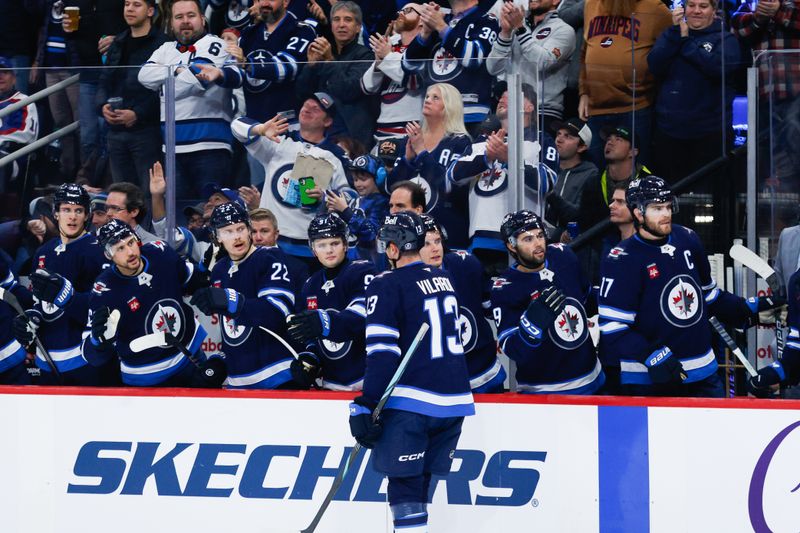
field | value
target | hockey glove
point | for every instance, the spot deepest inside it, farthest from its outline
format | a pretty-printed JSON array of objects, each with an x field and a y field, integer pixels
[
  {"x": 366, "y": 431},
  {"x": 214, "y": 372},
  {"x": 52, "y": 287},
  {"x": 664, "y": 367},
  {"x": 309, "y": 325},
  {"x": 760, "y": 385},
  {"x": 764, "y": 303},
  {"x": 104, "y": 327},
  {"x": 24, "y": 328},
  {"x": 305, "y": 370},
  {"x": 212, "y": 300},
  {"x": 540, "y": 315}
]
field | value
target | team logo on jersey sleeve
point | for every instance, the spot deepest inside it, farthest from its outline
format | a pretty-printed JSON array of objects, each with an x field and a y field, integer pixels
[
  {"x": 234, "y": 334},
  {"x": 167, "y": 316},
  {"x": 570, "y": 328},
  {"x": 468, "y": 328},
  {"x": 444, "y": 66},
  {"x": 259, "y": 57},
  {"x": 682, "y": 301},
  {"x": 492, "y": 181}
]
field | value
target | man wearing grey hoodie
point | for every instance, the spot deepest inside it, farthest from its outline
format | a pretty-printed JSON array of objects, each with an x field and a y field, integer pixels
[{"x": 572, "y": 139}]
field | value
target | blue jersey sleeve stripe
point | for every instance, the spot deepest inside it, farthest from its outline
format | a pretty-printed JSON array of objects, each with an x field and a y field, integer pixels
[
  {"x": 378, "y": 347},
  {"x": 279, "y": 304},
  {"x": 277, "y": 292},
  {"x": 507, "y": 333},
  {"x": 712, "y": 296},
  {"x": 358, "y": 309},
  {"x": 612, "y": 327}
]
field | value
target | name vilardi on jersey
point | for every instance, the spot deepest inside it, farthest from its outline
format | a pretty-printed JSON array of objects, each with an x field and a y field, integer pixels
[
  {"x": 433, "y": 285},
  {"x": 614, "y": 25}
]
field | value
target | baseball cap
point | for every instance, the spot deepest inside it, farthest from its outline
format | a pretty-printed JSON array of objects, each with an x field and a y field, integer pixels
[
  {"x": 230, "y": 194},
  {"x": 325, "y": 101},
  {"x": 576, "y": 127},
  {"x": 196, "y": 209},
  {"x": 622, "y": 132},
  {"x": 5, "y": 63}
]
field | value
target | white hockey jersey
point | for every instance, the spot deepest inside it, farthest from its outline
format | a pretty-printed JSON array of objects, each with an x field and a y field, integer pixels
[
  {"x": 280, "y": 194},
  {"x": 203, "y": 111}
]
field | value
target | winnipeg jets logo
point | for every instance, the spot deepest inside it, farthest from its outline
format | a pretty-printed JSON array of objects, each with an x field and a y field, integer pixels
[
  {"x": 668, "y": 249},
  {"x": 165, "y": 316},
  {"x": 605, "y": 43},
  {"x": 259, "y": 57},
  {"x": 491, "y": 181},
  {"x": 468, "y": 329},
  {"x": 708, "y": 47},
  {"x": 682, "y": 301},
  {"x": 60, "y": 248},
  {"x": 444, "y": 66},
  {"x": 497, "y": 283},
  {"x": 161, "y": 245},
  {"x": 99, "y": 287},
  {"x": 570, "y": 328},
  {"x": 617, "y": 252},
  {"x": 430, "y": 196},
  {"x": 233, "y": 333},
  {"x": 233, "y": 269},
  {"x": 145, "y": 278},
  {"x": 546, "y": 275},
  {"x": 328, "y": 285}
]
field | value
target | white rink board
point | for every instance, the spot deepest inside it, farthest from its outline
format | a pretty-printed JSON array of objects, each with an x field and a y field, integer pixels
[{"x": 546, "y": 464}]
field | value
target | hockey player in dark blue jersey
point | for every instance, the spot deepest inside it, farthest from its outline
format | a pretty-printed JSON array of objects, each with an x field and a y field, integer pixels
[
  {"x": 67, "y": 266},
  {"x": 141, "y": 295},
  {"x": 785, "y": 371},
  {"x": 251, "y": 290},
  {"x": 12, "y": 352},
  {"x": 275, "y": 50},
  {"x": 331, "y": 317},
  {"x": 419, "y": 428},
  {"x": 486, "y": 374},
  {"x": 656, "y": 296},
  {"x": 453, "y": 48},
  {"x": 538, "y": 306}
]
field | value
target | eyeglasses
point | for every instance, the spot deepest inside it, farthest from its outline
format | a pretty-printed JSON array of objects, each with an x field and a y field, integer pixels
[
  {"x": 407, "y": 10},
  {"x": 111, "y": 208}
]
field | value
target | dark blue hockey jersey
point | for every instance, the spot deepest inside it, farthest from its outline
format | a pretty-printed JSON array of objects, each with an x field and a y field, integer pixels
[
  {"x": 565, "y": 362},
  {"x": 480, "y": 346},
  {"x": 148, "y": 303},
  {"x": 256, "y": 359},
  {"x": 446, "y": 204},
  {"x": 273, "y": 62},
  {"x": 661, "y": 295},
  {"x": 458, "y": 57},
  {"x": 342, "y": 352},
  {"x": 436, "y": 382},
  {"x": 791, "y": 350},
  {"x": 61, "y": 331},
  {"x": 12, "y": 354}
]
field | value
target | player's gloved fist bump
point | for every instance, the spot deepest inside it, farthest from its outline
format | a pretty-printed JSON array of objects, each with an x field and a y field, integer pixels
[
  {"x": 664, "y": 367},
  {"x": 308, "y": 325},
  {"x": 104, "y": 327},
  {"x": 541, "y": 313},
  {"x": 52, "y": 287},
  {"x": 768, "y": 376},
  {"x": 305, "y": 369},
  {"x": 24, "y": 328},
  {"x": 211, "y": 300},
  {"x": 366, "y": 431}
]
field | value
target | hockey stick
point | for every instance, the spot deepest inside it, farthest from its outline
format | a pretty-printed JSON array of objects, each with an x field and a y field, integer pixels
[
  {"x": 732, "y": 346},
  {"x": 337, "y": 482},
  {"x": 754, "y": 262},
  {"x": 11, "y": 300},
  {"x": 282, "y": 341},
  {"x": 145, "y": 342}
]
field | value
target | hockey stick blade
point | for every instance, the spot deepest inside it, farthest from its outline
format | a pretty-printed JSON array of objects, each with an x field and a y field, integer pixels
[
  {"x": 11, "y": 300},
  {"x": 145, "y": 342},
  {"x": 732, "y": 346},
  {"x": 752, "y": 261},
  {"x": 337, "y": 482}
]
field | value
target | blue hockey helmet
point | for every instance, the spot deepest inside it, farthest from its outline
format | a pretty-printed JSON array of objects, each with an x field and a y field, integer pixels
[
  {"x": 71, "y": 193},
  {"x": 405, "y": 229},
  {"x": 519, "y": 222},
  {"x": 328, "y": 226},
  {"x": 431, "y": 225},
  {"x": 649, "y": 190},
  {"x": 227, "y": 214},
  {"x": 112, "y": 232}
]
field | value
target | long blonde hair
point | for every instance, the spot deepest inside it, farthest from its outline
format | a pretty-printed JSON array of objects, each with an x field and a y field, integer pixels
[{"x": 453, "y": 109}]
